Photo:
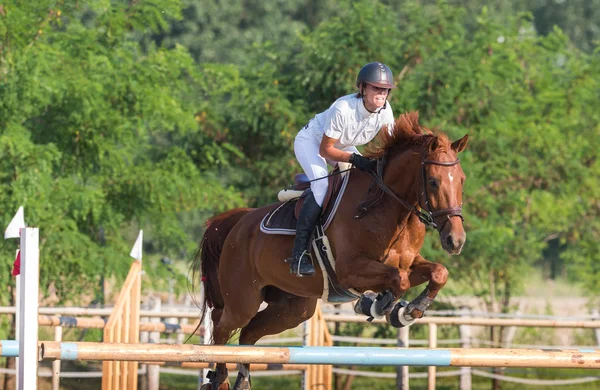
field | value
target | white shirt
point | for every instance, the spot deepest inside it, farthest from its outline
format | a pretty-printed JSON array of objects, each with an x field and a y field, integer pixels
[{"x": 348, "y": 121}]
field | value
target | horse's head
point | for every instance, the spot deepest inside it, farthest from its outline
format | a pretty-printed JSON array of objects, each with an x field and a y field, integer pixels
[
  {"x": 441, "y": 190},
  {"x": 435, "y": 195}
]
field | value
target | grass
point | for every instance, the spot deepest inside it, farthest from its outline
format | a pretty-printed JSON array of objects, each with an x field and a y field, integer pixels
[
  {"x": 179, "y": 382},
  {"x": 172, "y": 382}
]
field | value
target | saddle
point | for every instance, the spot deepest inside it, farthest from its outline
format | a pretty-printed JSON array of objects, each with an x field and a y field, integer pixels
[{"x": 283, "y": 219}]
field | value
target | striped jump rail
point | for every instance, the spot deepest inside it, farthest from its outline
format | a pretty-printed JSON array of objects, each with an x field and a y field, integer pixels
[{"x": 366, "y": 356}]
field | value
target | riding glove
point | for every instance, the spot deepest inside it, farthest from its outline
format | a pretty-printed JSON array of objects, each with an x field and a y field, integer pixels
[{"x": 361, "y": 162}]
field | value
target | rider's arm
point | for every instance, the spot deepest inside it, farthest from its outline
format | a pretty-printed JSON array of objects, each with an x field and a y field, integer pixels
[{"x": 328, "y": 151}]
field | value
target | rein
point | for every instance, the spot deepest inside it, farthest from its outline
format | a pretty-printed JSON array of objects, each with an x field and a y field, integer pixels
[
  {"x": 338, "y": 172},
  {"x": 428, "y": 216}
]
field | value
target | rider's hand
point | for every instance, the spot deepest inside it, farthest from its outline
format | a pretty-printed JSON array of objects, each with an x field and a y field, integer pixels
[{"x": 363, "y": 163}]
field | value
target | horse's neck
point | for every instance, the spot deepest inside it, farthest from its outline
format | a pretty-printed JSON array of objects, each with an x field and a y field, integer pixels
[{"x": 401, "y": 177}]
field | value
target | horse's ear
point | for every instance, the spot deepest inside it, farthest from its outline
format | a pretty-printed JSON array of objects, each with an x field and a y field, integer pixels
[
  {"x": 433, "y": 145},
  {"x": 460, "y": 144}
]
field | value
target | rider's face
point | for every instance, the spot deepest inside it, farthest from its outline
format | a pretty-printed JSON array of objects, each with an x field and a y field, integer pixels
[{"x": 374, "y": 97}]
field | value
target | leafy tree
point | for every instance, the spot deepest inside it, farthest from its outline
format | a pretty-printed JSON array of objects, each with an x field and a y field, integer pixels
[
  {"x": 215, "y": 31},
  {"x": 331, "y": 56},
  {"x": 86, "y": 118},
  {"x": 524, "y": 100},
  {"x": 101, "y": 135}
]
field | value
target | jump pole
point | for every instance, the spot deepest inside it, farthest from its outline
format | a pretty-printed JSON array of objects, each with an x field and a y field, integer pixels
[{"x": 365, "y": 356}]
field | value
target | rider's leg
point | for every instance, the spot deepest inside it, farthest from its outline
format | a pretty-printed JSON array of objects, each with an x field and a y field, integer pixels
[
  {"x": 307, "y": 220},
  {"x": 315, "y": 166}
]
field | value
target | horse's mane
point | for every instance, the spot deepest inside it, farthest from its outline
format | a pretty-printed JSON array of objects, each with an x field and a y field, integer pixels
[{"x": 407, "y": 132}]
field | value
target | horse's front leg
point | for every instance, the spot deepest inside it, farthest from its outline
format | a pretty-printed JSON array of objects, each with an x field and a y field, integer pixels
[
  {"x": 365, "y": 274},
  {"x": 421, "y": 271}
]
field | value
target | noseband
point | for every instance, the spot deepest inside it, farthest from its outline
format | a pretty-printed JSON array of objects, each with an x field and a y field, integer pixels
[{"x": 428, "y": 216}]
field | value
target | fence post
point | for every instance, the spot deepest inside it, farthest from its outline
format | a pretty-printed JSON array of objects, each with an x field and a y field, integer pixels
[
  {"x": 306, "y": 330},
  {"x": 56, "y": 363},
  {"x": 596, "y": 317},
  {"x": 153, "y": 371},
  {"x": 465, "y": 336},
  {"x": 402, "y": 371},
  {"x": 144, "y": 336},
  {"x": 184, "y": 321},
  {"x": 207, "y": 339},
  {"x": 510, "y": 331},
  {"x": 431, "y": 370}
]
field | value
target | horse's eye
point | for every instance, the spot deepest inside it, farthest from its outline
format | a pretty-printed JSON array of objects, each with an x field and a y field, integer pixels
[{"x": 433, "y": 183}]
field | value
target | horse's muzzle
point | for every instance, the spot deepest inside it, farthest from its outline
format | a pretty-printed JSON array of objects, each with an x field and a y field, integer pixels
[{"x": 453, "y": 238}]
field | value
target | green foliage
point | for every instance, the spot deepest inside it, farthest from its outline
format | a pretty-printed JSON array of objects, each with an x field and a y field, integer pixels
[
  {"x": 214, "y": 31},
  {"x": 249, "y": 109},
  {"x": 86, "y": 130},
  {"x": 524, "y": 100},
  {"x": 108, "y": 124},
  {"x": 332, "y": 54}
]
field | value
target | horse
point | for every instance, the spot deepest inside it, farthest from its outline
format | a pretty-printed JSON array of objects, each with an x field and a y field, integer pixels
[{"x": 420, "y": 181}]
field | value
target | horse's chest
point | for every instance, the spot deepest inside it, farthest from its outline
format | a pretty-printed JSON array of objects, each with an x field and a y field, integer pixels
[{"x": 400, "y": 251}]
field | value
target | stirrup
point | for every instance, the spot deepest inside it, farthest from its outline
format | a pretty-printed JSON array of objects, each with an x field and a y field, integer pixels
[{"x": 299, "y": 262}]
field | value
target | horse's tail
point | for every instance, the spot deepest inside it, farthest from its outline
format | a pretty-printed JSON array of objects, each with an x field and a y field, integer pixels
[{"x": 207, "y": 256}]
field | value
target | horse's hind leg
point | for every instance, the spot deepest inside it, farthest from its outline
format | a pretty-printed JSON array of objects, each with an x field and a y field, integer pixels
[
  {"x": 283, "y": 312},
  {"x": 421, "y": 271},
  {"x": 218, "y": 377},
  {"x": 233, "y": 316}
]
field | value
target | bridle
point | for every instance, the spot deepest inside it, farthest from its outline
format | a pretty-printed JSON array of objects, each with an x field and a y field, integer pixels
[{"x": 428, "y": 216}]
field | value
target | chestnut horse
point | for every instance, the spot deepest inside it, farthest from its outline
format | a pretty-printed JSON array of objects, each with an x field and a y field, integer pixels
[{"x": 421, "y": 180}]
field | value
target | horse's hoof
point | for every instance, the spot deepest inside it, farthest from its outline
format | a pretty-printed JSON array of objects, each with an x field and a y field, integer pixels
[
  {"x": 397, "y": 317},
  {"x": 209, "y": 386},
  {"x": 364, "y": 303},
  {"x": 242, "y": 382}
]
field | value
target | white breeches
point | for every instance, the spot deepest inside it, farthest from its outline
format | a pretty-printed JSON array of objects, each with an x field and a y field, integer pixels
[{"x": 315, "y": 166}]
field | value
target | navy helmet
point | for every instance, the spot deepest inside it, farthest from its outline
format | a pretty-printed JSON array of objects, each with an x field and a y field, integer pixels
[{"x": 377, "y": 74}]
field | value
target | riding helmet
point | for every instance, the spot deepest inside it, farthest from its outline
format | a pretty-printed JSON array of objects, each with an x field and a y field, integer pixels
[{"x": 377, "y": 74}]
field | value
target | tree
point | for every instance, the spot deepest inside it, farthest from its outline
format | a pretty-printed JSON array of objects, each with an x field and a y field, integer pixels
[
  {"x": 86, "y": 119},
  {"x": 525, "y": 101},
  {"x": 219, "y": 32}
]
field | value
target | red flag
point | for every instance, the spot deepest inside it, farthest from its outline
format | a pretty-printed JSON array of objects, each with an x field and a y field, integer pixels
[{"x": 17, "y": 265}]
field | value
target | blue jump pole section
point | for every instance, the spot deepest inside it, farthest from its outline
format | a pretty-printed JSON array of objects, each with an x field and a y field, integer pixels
[
  {"x": 9, "y": 348},
  {"x": 369, "y": 356},
  {"x": 366, "y": 356}
]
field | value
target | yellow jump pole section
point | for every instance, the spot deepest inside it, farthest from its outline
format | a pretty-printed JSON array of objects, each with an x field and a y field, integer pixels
[
  {"x": 123, "y": 326},
  {"x": 365, "y": 356}
]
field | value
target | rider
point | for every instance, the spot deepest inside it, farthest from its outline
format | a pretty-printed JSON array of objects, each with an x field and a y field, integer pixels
[{"x": 332, "y": 136}]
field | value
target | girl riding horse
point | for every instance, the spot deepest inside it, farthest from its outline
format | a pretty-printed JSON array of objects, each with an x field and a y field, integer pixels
[{"x": 421, "y": 181}]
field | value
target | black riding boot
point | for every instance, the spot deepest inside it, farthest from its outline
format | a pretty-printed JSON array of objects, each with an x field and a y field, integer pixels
[{"x": 307, "y": 220}]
